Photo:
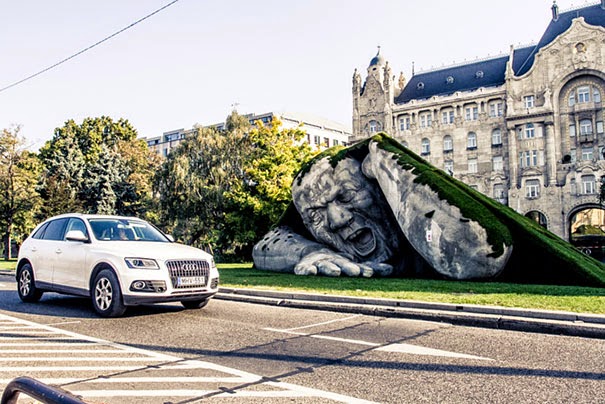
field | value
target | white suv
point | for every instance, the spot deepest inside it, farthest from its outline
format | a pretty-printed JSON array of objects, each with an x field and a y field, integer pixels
[{"x": 116, "y": 261}]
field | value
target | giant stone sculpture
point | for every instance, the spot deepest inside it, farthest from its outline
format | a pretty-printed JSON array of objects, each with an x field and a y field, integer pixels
[{"x": 377, "y": 209}]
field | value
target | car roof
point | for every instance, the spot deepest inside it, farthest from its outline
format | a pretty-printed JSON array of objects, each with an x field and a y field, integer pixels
[{"x": 92, "y": 216}]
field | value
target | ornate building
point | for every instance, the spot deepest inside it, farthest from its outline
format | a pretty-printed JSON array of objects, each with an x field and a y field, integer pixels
[{"x": 525, "y": 128}]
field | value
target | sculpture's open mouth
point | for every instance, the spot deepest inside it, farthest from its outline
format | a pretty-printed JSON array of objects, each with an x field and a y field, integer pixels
[{"x": 363, "y": 241}]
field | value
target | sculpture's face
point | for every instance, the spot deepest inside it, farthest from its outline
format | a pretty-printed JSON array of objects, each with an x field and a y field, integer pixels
[{"x": 344, "y": 210}]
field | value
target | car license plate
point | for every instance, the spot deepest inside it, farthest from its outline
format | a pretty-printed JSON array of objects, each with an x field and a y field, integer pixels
[{"x": 191, "y": 281}]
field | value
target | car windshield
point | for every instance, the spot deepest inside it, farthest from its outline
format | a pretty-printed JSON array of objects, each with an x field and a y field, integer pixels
[{"x": 125, "y": 230}]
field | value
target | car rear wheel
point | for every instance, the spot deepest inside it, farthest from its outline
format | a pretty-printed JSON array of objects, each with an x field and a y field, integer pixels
[
  {"x": 26, "y": 286},
  {"x": 194, "y": 304},
  {"x": 106, "y": 295}
]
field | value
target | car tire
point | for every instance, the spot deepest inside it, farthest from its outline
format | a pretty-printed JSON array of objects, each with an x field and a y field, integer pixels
[
  {"x": 194, "y": 304},
  {"x": 106, "y": 295},
  {"x": 26, "y": 286}
]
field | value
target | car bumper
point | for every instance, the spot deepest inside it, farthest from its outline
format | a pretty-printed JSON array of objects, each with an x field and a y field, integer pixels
[{"x": 135, "y": 300}]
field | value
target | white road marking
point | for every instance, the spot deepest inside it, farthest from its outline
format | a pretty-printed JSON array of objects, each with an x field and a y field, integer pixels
[
  {"x": 232, "y": 376},
  {"x": 397, "y": 347},
  {"x": 323, "y": 323}
]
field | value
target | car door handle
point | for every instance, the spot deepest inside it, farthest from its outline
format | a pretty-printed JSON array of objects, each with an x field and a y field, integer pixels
[
  {"x": 58, "y": 251},
  {"x": 34, "y": 249}
]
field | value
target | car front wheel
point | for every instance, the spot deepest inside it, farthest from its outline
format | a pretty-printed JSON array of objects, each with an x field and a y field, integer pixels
[
  {"x": 106, "y": 295},
  {"x": 194, "y": 304},
  {"x": 26, "y": 286}
]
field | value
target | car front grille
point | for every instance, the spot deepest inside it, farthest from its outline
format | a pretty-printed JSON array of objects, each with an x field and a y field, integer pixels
[{"x": 187, "y": 270}]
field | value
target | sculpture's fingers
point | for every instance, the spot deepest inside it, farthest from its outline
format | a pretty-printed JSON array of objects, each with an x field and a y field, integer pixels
[
  {"x": 366, "y": 270},
  {"x": 348, "y": 268},
  {"x": 305, "y": 269},
  {"x": 328, "y": 268}
]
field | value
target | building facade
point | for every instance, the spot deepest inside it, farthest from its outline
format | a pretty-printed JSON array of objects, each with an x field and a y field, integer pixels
[
  {"x": 525, "y": 128},
  {"x": 321, "y": 132}
]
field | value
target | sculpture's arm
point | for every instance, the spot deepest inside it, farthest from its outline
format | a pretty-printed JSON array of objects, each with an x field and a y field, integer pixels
[{"x": 283, "y": 250}]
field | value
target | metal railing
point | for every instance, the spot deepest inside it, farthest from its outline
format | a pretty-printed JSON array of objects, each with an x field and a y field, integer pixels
[{"x": 42, "y": 392}]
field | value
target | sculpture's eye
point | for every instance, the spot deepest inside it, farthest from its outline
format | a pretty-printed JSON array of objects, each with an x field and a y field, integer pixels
[{"x": 346, "y": 196}]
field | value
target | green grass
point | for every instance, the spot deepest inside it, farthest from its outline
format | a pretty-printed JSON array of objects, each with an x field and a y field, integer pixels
[
  {"x": 11, "y": 264},
  {"x": 547, "y": 297}
]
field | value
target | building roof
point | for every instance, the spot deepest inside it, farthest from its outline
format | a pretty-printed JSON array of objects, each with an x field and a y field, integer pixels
[{"x": 491, "y": 72}]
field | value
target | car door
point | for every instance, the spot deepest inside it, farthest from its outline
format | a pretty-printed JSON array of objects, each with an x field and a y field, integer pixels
[
  {"x": 70, "y": 267},
  {"x": 46, "y": 250}
]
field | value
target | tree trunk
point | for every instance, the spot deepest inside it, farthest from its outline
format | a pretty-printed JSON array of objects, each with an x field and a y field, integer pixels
[{"x": 8, "y": 250}]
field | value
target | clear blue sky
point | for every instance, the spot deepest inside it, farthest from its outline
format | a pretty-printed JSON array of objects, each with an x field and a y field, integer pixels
[{"x": 192, "y": 61}]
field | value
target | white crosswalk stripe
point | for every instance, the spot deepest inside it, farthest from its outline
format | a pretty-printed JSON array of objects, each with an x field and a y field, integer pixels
[{"x": 97, "y": 369}]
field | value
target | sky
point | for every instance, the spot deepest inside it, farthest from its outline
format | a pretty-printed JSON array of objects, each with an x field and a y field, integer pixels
[{"x": 196, "y": 60}]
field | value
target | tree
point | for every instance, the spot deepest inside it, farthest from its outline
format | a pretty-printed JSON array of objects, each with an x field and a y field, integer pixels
[
  {"x": 19, "y": 170},
  {"x": 259, "y": 201},
  {"x": 194, "y": 179},
  {"x": 97, "y": 167},
  {"x": 222, "y": 190}
]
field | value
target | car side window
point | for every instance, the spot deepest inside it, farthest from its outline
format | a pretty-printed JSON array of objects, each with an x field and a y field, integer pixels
[
  {"x": 40, "y": 232},
  {"x": 76, "y": 224},
  {"x": 55, "y": 229}
]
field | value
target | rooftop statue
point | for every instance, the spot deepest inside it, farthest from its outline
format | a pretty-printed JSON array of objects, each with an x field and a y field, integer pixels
[{"x": 377, "y": 209}]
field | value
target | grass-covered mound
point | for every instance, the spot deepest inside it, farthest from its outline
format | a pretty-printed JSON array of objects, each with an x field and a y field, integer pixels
[{"x": 539, "y": 256}]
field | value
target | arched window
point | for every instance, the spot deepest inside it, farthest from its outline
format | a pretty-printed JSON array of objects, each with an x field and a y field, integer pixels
[
  {"x": 471, "y": 140},
  {"x": 425, "y": 146},
  {"x": 374, "y": 126},
  {"x": 588, "y": 184},
  {"x": 448, "y": 143}
]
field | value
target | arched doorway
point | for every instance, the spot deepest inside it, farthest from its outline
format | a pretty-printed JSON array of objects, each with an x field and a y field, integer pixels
[
  {"x": 587, "y": 231},
  {"x": 537, "y": 217}
]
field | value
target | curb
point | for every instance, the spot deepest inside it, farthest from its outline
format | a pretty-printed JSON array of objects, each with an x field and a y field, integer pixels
[
  {"x": 504, "y": 318},
  {"x": 496, "y": 317}
]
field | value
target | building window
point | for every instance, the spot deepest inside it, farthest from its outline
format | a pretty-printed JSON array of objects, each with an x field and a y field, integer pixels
[
  {"x": 317, "y": 140},
  {"x": 497, "y": 163},
  {"x": 496, "y": 137},
  {"x": 425, "y": 146},
  {"x": 532, "y": 188},
  {"x": 572, "y": 99},
  {"x": 374, "y": 126},
  {"x": 471, "y": 140},
  {"x": 471, "y": 113},
  {"x": 327, "y": 141},
  {"x": 404, "y": 123},
  {"x": 585, "y": 127},
  {"x": 335, "y": 142},
  {"x": 528, "y": 100},
  {"x": 530, "y": 131},
  {"x": 496, "y": 108},
  {"x": 587, "y": 153},
  {"x": 599, "y": 127},
  {"x": 449, "y": 167},
  {"x": 447, "y": 117},
  {"x": 596, "y": 95},
  {"x": 499, "y": 192},
  {"x": 572, "y": 130},
  {"x": 583, "y": 94},
  {"x": 588, "y": 184},
  {"x": 528, "y": 158},
  {"x": 426, "y": 120},
  {"x": 472, "y": 165},
  {"x": 448, "y": 143}
]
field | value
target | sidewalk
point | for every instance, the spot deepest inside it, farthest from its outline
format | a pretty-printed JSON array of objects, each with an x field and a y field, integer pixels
[
  {"x": 504, "y": 318},
  {"x": 542, "y": 321}
]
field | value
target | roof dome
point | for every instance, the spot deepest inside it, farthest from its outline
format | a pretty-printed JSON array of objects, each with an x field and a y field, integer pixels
[{"x": 378, "y": 59}]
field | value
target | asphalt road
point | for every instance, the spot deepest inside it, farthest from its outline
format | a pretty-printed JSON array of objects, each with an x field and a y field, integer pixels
[{"x": 243, "y": 352}]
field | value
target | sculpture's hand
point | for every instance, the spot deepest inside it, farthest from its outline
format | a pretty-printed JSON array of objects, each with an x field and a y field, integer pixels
[{"x": 328, "y": 263}]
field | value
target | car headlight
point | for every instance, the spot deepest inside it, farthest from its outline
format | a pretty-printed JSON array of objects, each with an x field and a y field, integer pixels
[{"x": 141, "y": 263}]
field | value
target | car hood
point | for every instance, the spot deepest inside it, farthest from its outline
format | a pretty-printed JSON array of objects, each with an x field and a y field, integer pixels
[{"x": 150, "y": 249}]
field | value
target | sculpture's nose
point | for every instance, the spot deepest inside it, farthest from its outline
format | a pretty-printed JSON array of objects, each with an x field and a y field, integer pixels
[{"x": 338, "y": 216}]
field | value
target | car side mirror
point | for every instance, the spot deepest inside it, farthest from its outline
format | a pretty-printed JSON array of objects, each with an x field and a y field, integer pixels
[{"x": 76, "y": 235}]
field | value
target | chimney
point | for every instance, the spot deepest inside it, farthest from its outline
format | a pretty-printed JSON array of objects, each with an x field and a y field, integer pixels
[{"x": 555, "y": 10}]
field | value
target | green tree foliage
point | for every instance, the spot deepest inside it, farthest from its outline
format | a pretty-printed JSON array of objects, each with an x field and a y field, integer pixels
[
  {"x": 276, "y": 155},
  {"x": 19, "y": 171},
  {"x": 222, "y": 190},
  {"x": 97, "y": 167}
]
